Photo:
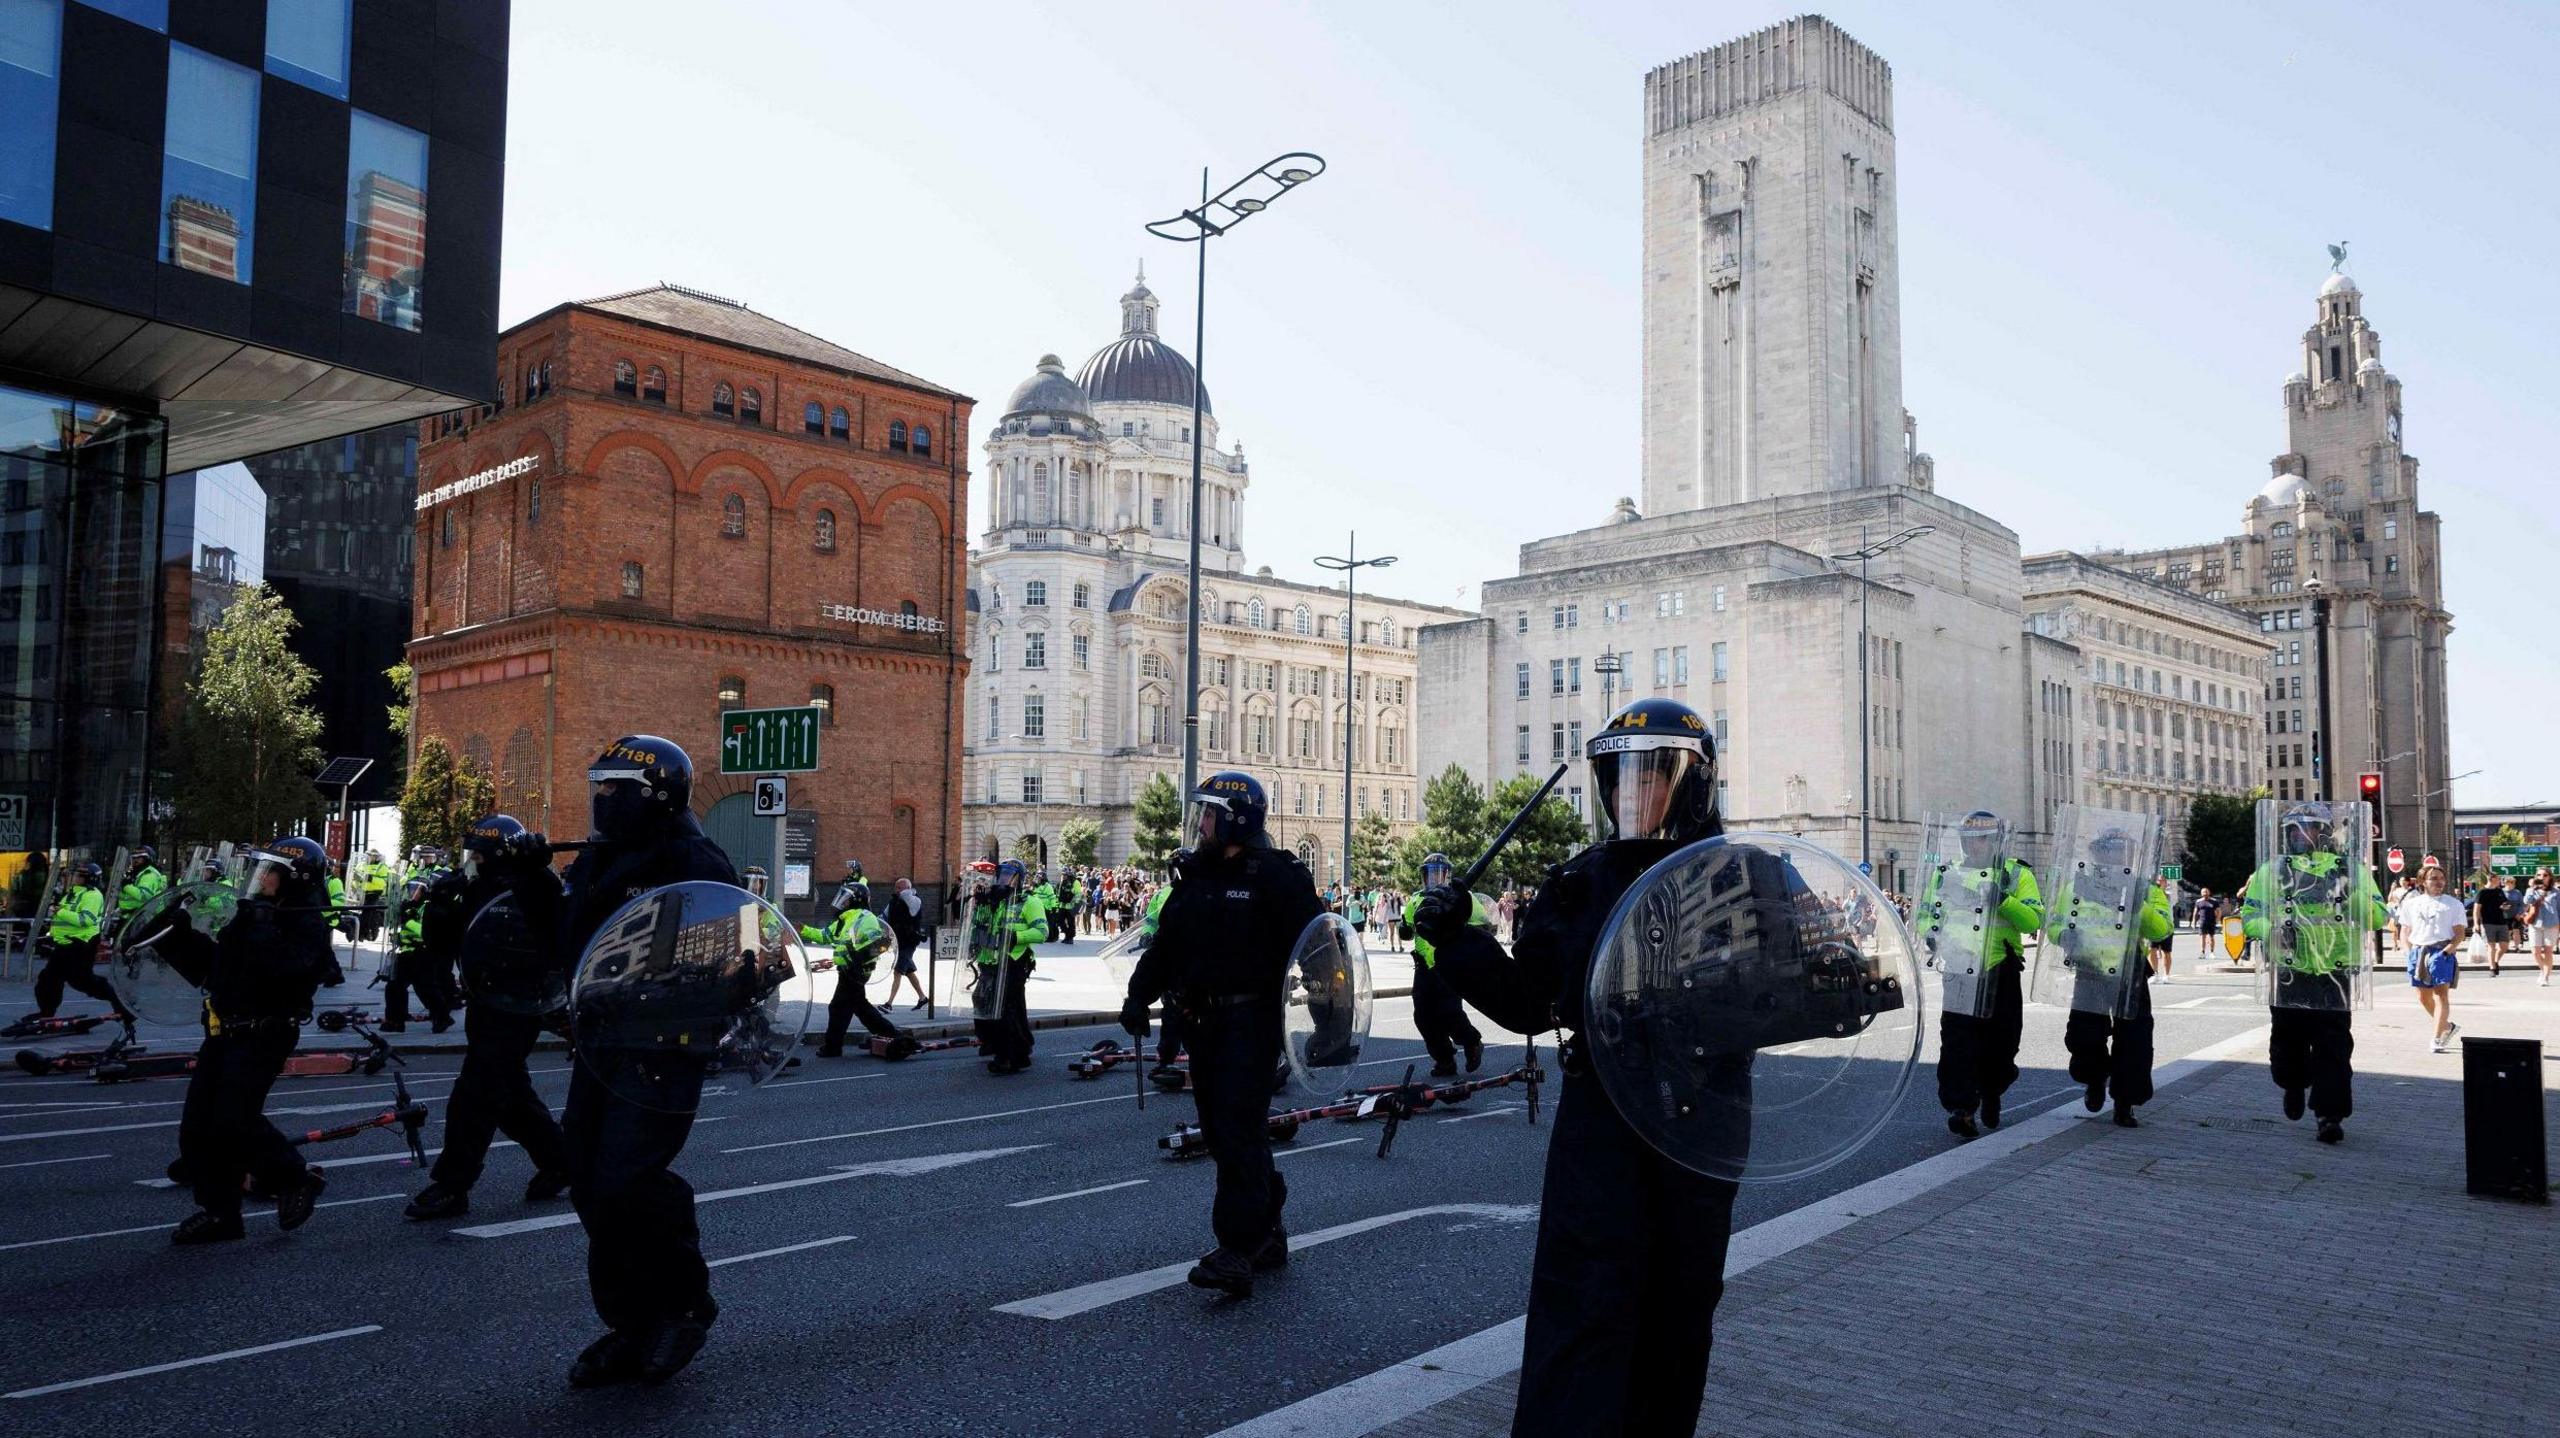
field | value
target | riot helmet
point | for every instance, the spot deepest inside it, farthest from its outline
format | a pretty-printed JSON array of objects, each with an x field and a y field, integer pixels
[
  {"x": 1653, "y": 769},
  {"x": 2110, "y": 860},
  {"x": 301, "y": 868},
  {"x": 2306, "y": 829},
  {"x": 757, "y": 880},
  {"x": 485, "y": 841},
  {"x": 638, "y": 783},
  {"x": 855, "y": 891},
  {"x": 88, "y": 872},
  {"x": 142, "y": 859},
  {"x": 1228, "y": 808},
  {"x": 1436, "y": 870},
  {"x": 1980, "y": 834}
]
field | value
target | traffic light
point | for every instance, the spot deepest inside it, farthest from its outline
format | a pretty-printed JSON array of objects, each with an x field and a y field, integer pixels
[{"x": 2369, "y": 789}]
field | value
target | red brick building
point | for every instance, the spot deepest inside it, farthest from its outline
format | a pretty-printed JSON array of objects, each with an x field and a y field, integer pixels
[{"x": 680, "y": 507}]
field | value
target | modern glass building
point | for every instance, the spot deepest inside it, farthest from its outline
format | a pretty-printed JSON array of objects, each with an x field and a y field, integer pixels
[{"x": 214, "y": 244}]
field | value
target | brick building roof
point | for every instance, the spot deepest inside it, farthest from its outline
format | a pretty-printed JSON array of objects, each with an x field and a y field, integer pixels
[{"x": 694, "y": 312}]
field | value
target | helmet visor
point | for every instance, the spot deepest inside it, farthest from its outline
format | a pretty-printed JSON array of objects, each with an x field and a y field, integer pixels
[
  {"x": 1209, "y": 824},
  {"x": 1639, "y": 779},
  {"x": 1436, "y": 872}
]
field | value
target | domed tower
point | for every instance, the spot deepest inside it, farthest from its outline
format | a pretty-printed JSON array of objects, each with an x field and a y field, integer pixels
[
  {"x": 1141, "y": 391},
  {"x": 1044, "y": 456}
]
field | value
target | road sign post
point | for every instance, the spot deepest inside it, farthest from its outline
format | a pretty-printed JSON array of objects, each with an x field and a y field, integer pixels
[
  {"x": 769, "y": 741},
  {"x": 2172, "y": 873},
  {"x": 2395, "y": 861}
]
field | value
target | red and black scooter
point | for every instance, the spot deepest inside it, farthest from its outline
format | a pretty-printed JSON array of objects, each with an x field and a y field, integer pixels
[
  {"x": 39, "y": 1026},
  {"x": 406, "y": 1113},
  {"x": 901, "y": 1046},
  {"x": 1393, "y": 1102}
]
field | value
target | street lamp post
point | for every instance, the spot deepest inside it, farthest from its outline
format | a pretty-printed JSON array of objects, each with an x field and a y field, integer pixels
[
  {"x": 2320, "y": 685},
  {"x": 1350, "y": 566},
  {"x": 1215, "y": 215},
  {"x": 1866, "y": 664},
  {"x": 1608, "y": 666}
]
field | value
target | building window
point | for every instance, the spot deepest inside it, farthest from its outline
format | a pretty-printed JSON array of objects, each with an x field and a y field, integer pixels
[
  {"x": 732, "y": 692},
  {"x": 1306, "y": 621},
  {"x": 1082, "y": 595},
  {"x": 750, "y": 406},
  {"x": 1031, "y": 788},
  {"x": 1555, "y": 676},
  {"x": 626, "y": 380},
  {"x": 2391, "y": 564},
  {"x": 1573, "y": 676},
  {"x": 2391, "y": 529},
  {"x": 1680, "y": 664},
  {"x": 813, "y": 417},
  {"x": 733, "y": 517},
  {"x": 1717, "y": 601},
  {"x": 209, "y": 175},
  {"x": 655, "y": 391},
  {"x": 839, "y": 423},
  {"x": 898, "y": 436},
  {"x": 2283, "y": 529},
  {"x": 1035, "y": 594},
  {"x": 30, "y": 105},
  {"x": 1662, "y": 669},
  {"x": 307, "y": 43},
  {"x": 822, "y": 697},
  {"x": 1716, "y": 667},
  {"x": 386, "y": 220},
  {"x": 448, "y": 528},
  {"x": 1035, "y": 715},
  {"x": 1082, "y": 644},
  {"x": 1035, "y": 650},
  {"x": 1520, "y": 680},
  {"x": 995, "y": 716},
  {"x": 823, "y": 533},
  {"x": 724, "y": 400},
  {"x": 921, "y": 443},
  {"x": 1253, "y": 612},
  {"x": 630, "y": 579},
  {"x": 1555, "y": 743},
  {"x": 1521, "y": 747},
  {"x": 533, "y": 502}
]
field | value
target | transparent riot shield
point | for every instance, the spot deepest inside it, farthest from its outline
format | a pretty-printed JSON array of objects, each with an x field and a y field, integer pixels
[
  {"x": 2312, "y": 904},
  {"x": 1753, "y": 1008},
  {"x": 1120, "y": 956},
  {"x": 2093, "y": 958},
  {"x": 1963, "y": 877},
  {"x": 990, "y": 957},
  {"x": 140, "y": 962},
  {"x": 686, "y": 982},
  {"x": 1326, "y": 1002},
  {"x": 505, "y": 968}
]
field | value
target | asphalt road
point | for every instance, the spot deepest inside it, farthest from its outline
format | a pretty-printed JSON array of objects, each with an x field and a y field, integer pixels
[{"x": 915, "y": 1247}]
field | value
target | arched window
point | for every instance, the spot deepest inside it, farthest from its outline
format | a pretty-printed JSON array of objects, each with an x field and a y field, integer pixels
[
  {"x": 822, "y": 697},
  {"x": 630, "y": 579},
  {"x": 733, "y": 693},
  {"x": 2283, "y": 529},
  {"x": 533, "y": 502},
  {"x": 813, "y": 417},
  {"x": 448, "y": 528},
  {"x": 626, "y": 380},
  {"x": 655, "y": 391},
  {"x": 733, "y": 517},
  {"x": 922, "y": 441},
  {"x": 1386, "y": 631},
  {"x": 1255, "y": 614},
  {"x": 898, "y": 435},
  {"x": 724, "y": 401},
  {"x": 546, "y": 376},
  {"x": 908, "y": 608},
  {"x": 1306, "y": 621},
  {"x": 750, "y": 407},
  {"x": 824, "y": 533},
  {"x": 839, "y": 423},
  {"x": 1039, "y": 493},
  {"x": 532, "y": 383},
  {"x": 1151, "y": 665}
]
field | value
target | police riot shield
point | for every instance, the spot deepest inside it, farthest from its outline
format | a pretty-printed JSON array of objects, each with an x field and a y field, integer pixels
[
  {"x": 2093, "y": 959},
  {"x": 1964, "y": 874},
  {"x": 138, "y": 961},
  {"x": 1120, "y": 956},
  {"x": 685, "y": 983},
  {"x": 504, "y": 968},
  {"x": 1753, "y": 1008},
  {"x": 2312, "y": 904},
  {"x": 1326, "y": 1001},
  {"x": 990, "y": 928}
]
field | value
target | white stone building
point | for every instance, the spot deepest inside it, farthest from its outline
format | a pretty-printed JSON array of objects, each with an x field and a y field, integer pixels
[{"x": 1077, "y": 605}]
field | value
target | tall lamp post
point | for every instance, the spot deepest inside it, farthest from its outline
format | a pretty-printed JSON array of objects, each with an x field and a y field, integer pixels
[
  {"x": 2319, "y": 593},
  {"x": 1215, "y": 215},
  {"x": 1866, "y": 664},
  {"x": 1350, "y": 566},
  {"x": 1608, "y": 666}
]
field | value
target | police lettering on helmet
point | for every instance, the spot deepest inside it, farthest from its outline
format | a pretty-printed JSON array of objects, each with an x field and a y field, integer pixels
[
  {"x": 1653, "y": 769},
  {"x": 288, "y": 869},
  {"x": 640, "y": 780}
]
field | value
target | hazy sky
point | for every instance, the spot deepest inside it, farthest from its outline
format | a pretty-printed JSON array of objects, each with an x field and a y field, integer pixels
[{"x": 2112, "y": 229}]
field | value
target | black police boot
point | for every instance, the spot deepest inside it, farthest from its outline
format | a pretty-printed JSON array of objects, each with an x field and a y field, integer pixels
[
  {"x": 546, "y": 1185},
  {"x": 1225, "y": 1270},
  {"x": 2332, "y": 1131},
  {"x": 1445, "y": 1068},
  {"x": 676, "y": 1341},
  {"x": 1475, "y": 1054},
  {"x": 1991, "y": 1110},
  {"x": 1961, "y": 1125},
  {"x": 177, "y": 1172},
  {"x": 438, "y": 1200},
  {"x": 614, "y": 1358},
  {"x": 293, "y": 1207},
  {"x": 903, "y": 1046},
  {"x": 831, "y": 1051},
  {"x": 2293, "y": 1104},
  {"x": 203, "y": 1227},
  {"x": 2096, "y": 1098},
  {"x": 2125, "y": 1118},
  {"x": 1274, "y": 1252},
  {"x": 440, "y": 1023},
  {"x": 392, "y": 1026}
]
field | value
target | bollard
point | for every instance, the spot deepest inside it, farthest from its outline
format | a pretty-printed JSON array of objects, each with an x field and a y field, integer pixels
[{"x": 2502, "y": 1138}]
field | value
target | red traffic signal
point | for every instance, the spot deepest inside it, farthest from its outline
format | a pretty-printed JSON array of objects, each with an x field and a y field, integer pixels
[{"x": 2369, "y": 789}]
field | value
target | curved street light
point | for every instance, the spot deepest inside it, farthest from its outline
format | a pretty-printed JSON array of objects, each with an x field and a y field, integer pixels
[
  {"x": 1866, "y": 664},
  {"x": 1350, "y": 570}
]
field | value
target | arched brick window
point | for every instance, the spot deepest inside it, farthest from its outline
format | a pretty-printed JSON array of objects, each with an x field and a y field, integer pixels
[
  {"x": 813, "y": 417},
  {"x": 724, "y": 400},
  {"x": 822, "y": 697},
  {"x": 921, "y": 441},
  {"x": 626, "y": 380},
  {"x": 733, "y": 517},
  {"x": 824, "y": 532},
  {"x": 840, "y": 424},
  {"x": 631, "y": 579},
  {"x": 655, "y": 391},
  {"x": 898, "y": 435},
  {"x": 750, "y": 407}
]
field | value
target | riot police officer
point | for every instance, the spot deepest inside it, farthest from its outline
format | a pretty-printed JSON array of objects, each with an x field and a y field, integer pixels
[
  {"x": 644, "y": 1253},
  {"x": 377, "y": 886},
  {"x": 1437, "y": 1010},
  {"x": 2111, "y": 1049},
  {"x": 258, "y": 976},
  {"x": 494, "y": 1092},
  {"x": 71, "y": 945},
  {"x": 1631, "y": 1246},
  {"x": 1221, "y": 950},
  {"x": 2310, "y": 908},
  {"x": 1978, "y": 1053},
  {"x": 1006, "y": 927},
  {"x": 857, "y": 937},
  {"x": 430, "y": 931},
  {"x": 142, "y": 882}
]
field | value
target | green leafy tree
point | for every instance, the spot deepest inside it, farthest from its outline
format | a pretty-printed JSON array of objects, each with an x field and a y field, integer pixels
[
  {"x": 2507, "y": 836},
  {"x": 1079, "y": 841},
  {"x": 1158, "y": 812},
  {"x": 1456, "y": 821},
  {"x": 249, "y": 734},
  {"x": 404, "y": 682},
  {"x": 1549, "y": 836},
  {"x": 2222, "y": 841},
  {"x": 442, "y": 797},
  {"x": 1373, "y": 850}
]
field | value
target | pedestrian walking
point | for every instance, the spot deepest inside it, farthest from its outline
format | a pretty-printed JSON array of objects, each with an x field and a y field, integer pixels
[
  {"x": 2431, "y": 922},
  {"x": 2208, "y": 923},
  {"x": 2546, "y": 925},
  {"x": 2489, "y": 911},
  {"x": 907, "y": 924}
]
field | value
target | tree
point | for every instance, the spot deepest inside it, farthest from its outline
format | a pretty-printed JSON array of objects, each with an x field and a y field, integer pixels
[
  {"x": 1373, "y": 850},
  {"x": 2507, "y": 836},
  {"x": 1158, "y": 811},
  {"x": 442, "y": 798},
  {"x": 1456, "y": 821},
  {"x": 249, "y": 737},
  {"x": 1079, "y": 841},
  {"x": 1549, "y": 836},
  {"x": 404, "y": 682},
  {"x": 2222, "y": 841}
]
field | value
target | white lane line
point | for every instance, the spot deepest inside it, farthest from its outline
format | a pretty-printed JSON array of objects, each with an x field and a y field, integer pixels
[
  {"x": 1486, "y": 1113},
  {"x": 165, "y": 1227},
  {"x": 813, "y": 1083},
  {"x": 77, "y": 1132},
  {"x": 1366, "y": 1404},
  {"x": 181, "y": 1103},
  {"x": 41, "y": 1162},
  {"x": 191, "y": 1362},
  {"x": 2189, "y": 1003},
  {"x": 1079, "y": 1193},
  {"x": 399, "y": 1155},
  {"x": 894, "y": 1167},
  {"x": 1067, "y": 1303},
  {"x": 1293, "y": 1150},
  {"x": 936, "y": 1123},
  {"x": 774, "y": 1252}
]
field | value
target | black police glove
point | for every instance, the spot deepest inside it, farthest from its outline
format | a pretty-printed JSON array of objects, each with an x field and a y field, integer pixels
[
  {"x": 1444, "y": 910},
  {"x": 1133, "y": 1018},
  {"x": 529, "y": 849},
  {"x": 1180, "y": 865}
]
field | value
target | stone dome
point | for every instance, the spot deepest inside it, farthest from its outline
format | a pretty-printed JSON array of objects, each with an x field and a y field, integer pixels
[
  {"x": 1139, "y": 368},
  {"x": 2297, "y": 377},
  {"x": 2338, "y": 284},
  {"x": 2284, "y": 491},
  {"x": 1049, "y": 391}
]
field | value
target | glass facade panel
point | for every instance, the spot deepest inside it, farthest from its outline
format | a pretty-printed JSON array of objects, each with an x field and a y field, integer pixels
[
  {"x": 386, "y": 220},
  {"x": 30, "y": 96},
  {"x": 209, "y": 178},
  {"x": 150, "y": 14},
  {"x": 307, "y": 43}
]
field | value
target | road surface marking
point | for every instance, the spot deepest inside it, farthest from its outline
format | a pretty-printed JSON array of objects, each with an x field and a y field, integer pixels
[
  {"x": 892, "y": 1167},
  {"x": 41, "y": 1162},
  {"x": 1070, "y": 1302},
  {"x": 165, "y": 1227},
  {"x": 77, "y": 1132},
  {"x": 935, "y": 1123},
  {"x": 190, "y": 1362},
  {"x": 1484, "y": 1113},
  {"x": 1294, "y": 1150},
  {"x": 1371, "y": 1402},
  {"x": 813, "y": 1083},
  {"x": 1079, "y": 1193},
  {"x": 774, "y": 1252}
]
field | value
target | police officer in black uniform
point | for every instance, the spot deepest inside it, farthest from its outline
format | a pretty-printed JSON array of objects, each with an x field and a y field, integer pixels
[
  {"x": 644, "y": 1254},
  {"x": 428, "y": 968},
  {"x": 494, "y": 1092},
  {"x": 258, "y": 975},
  {"x": 1221, "y": 948},
  {"x": 1631, "y": 1246}
]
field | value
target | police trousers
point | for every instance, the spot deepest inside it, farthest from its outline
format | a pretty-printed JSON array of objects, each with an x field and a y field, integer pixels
[
  {"x": 223, "y": 1132},
  {"x": 1008, "y": 1036},
  {"x": 1978, "y": 1057},
  {"x": 2314, "y": 1049},
  {"x": 644, "y": 1254},
  {"x": 1623, "y": 1292},
  {"x": 494, "y": 1094},
  {"x": 850, "y": 1003},
  {"x": 2113, "y": 1051},
  {"x": 432, "y": 978},
  {"x": 1233, "y": 1047},
  {"x": 1440, "y": 1015},
  {"x": 72, "y": 965}
]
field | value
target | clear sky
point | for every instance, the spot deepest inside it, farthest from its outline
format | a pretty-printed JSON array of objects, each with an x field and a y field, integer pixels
[{"x": 2112, "y": 228}]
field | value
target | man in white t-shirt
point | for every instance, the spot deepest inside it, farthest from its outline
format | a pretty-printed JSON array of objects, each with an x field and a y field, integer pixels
[{"x": 2431, "y": 924}]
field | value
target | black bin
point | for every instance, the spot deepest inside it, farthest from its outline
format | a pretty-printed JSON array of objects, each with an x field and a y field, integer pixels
[{"x": 2502, "y": 1119}]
